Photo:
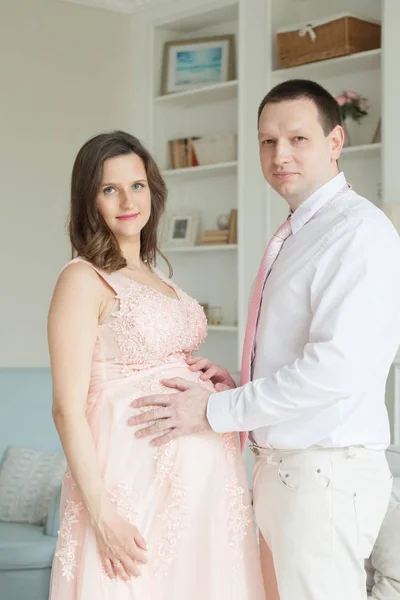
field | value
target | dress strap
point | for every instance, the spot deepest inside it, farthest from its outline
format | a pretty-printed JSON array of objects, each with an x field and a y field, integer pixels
[{"x": 107, "y": 277}]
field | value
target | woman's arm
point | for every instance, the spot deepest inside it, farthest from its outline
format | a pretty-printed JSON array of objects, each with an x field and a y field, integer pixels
[{"x": 72, "y": 329}]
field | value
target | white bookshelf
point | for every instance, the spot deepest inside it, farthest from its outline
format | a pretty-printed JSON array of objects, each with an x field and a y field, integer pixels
[
  {"x": 359, "y": 151},
  {"x": 214, "y": 170},
  {"x": 207, "y": 272},
  {"x": 336, "y": 67},
  {"x": 210, "y": 93},
  {"x": 224, "y": 276}
]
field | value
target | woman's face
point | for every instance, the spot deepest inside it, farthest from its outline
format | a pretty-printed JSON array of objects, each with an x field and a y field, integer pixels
[{"x": 124, "y": 199}]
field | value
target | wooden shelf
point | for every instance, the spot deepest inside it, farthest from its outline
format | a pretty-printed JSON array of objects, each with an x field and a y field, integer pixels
[
  {"x": 208, "y": 248},
  {"x": 210, "y": 93},
  {"x": 216, "y": 170},
  {"x": 362, "y": 149},
  {"x": 333, "y": 67},
  {"x": 226, "y": 328}
]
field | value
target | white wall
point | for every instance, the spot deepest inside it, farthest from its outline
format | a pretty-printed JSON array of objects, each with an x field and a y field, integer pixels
[{"x": 66, "y": 74}]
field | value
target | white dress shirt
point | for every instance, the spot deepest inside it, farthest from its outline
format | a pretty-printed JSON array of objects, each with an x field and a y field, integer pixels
[{"x": 328, "y": 331}]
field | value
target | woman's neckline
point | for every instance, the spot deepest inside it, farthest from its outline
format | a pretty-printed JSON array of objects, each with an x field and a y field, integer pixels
[{"x": 150, "y": 287}]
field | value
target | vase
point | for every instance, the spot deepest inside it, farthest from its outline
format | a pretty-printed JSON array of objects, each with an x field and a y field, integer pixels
[{"x": 347, "y": 138}]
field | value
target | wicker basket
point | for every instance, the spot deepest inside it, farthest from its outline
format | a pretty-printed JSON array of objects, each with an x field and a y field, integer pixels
[{"x": 338, "y": 37}]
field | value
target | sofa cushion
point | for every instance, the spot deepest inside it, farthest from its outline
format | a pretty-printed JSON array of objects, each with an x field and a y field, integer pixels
[
  {"x": 24, "y": 546},
  {"x": 28, "y": 480}
]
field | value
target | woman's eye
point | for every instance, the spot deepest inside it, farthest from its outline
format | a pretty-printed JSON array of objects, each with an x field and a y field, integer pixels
[
  {"x": 138, "y": 186},
  {"x": 108, "y": 190}
]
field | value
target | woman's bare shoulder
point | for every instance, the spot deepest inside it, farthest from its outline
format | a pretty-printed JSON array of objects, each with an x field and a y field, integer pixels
[{"x": 81, "y": 277}]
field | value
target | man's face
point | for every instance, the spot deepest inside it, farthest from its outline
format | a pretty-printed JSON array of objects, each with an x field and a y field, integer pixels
[{"x": 296, "y": 156}]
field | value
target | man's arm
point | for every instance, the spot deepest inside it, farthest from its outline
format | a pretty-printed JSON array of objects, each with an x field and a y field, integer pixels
[{"x": 355, "y": 304}]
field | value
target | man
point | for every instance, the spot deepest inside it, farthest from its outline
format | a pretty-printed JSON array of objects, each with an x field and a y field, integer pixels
[{"x": 320, "y": 339}]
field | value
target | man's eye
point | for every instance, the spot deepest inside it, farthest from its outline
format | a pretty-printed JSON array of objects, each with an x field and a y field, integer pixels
[
  {"x": 267, "y": 142},
  {"x": 299, "y": 138}
]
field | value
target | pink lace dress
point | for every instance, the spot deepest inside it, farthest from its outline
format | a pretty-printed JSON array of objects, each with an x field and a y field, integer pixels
[{"x": 189, "y": 498}]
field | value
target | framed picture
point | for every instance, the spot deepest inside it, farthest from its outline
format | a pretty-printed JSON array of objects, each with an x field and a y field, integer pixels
[
  {"x": 180, "y": 229},
  {"x": 189, "y": 64}
]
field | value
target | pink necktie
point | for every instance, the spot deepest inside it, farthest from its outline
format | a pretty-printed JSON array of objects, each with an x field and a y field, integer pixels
[{"x": 270, "y": 256}]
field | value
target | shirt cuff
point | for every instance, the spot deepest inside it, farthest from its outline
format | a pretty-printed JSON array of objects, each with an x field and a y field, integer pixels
[{"x": 219, "y": 412}]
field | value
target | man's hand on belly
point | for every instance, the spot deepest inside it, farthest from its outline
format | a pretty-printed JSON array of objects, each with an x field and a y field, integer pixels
[{"x": 173, "y": 415}]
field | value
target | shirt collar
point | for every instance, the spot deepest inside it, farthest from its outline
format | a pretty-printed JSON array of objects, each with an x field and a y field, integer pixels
[{"x": 309, "y": 207}]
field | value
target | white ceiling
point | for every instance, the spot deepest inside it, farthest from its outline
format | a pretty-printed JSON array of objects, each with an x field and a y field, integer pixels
[{"x": 124, "y": 6}]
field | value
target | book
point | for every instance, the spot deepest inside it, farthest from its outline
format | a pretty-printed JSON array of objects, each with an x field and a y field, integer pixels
[
  {"x": 216, "y": 236},
  {"x": 232, "y": 238},
  {"x": 182, "y": 153}
]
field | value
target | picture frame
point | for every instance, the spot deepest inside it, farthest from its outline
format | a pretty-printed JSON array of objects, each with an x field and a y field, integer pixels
[
  {"x": 193, "y": 63},
  {"x": 180, "y": 228}
]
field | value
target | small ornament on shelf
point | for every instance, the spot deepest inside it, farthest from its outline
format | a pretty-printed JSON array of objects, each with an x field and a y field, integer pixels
[
  {"x": 223, "y": 221},
  {"x": 352, "y": 106}
]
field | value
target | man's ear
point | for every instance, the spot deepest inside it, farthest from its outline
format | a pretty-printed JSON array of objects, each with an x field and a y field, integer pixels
[{"x": 337, "y": 141}]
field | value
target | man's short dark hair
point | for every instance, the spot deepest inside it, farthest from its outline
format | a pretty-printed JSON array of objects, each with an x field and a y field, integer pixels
[{"x": 293, "y": 89}]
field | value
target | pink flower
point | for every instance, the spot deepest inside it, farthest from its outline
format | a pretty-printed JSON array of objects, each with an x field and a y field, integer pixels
[
  {"x": 352, "y": 95},
  {"x": 341, "y": 100}
]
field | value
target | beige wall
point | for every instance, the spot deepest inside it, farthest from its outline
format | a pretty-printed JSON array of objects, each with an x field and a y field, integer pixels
[{"x": 66, "y": 74}]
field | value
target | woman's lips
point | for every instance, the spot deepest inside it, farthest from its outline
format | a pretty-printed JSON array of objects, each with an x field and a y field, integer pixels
[{"x": 128, "y": 217}]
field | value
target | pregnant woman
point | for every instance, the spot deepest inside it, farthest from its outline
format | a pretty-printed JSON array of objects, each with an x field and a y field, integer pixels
[{"x": 138, "y": 522}]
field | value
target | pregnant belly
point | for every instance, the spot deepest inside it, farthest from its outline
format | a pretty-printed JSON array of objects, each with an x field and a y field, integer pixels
[
  {"x": 110, "y": 406},
  {"x": 121, "y": 454}
]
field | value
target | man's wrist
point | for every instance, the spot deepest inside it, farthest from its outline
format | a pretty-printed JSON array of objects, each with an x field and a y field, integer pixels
[{"x": 219, "y": 412}]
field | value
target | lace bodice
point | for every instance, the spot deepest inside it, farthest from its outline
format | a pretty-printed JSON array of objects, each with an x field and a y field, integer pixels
[
  {"x": 151, "y": 328},
  {"x": 146, "y": 328}
]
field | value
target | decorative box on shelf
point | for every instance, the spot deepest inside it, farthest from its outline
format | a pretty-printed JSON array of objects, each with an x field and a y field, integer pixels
[
  {"x": 212, "y": 149},
  {"x": 319, "y": 40}
]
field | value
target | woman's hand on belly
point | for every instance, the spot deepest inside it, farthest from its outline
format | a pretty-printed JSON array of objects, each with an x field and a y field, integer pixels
[
  {"x": 119, "y": 543},
  {"x": 219, "y": 376}
]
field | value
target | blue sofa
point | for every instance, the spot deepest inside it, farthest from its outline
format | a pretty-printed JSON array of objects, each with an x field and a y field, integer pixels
[{"x": 26, "y": 551}]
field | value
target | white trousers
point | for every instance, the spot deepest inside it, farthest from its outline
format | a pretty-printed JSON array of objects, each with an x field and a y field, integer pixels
[{"x": 320, "y": 511}]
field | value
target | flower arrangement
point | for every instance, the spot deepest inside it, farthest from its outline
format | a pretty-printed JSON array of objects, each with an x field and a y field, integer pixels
[{"x": 352, "y": 105}]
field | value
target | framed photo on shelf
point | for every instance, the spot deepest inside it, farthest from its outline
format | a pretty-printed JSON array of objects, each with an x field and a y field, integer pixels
[
  {"x": 189, "y": 64},
  {"x": 180, "y": 229}
]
